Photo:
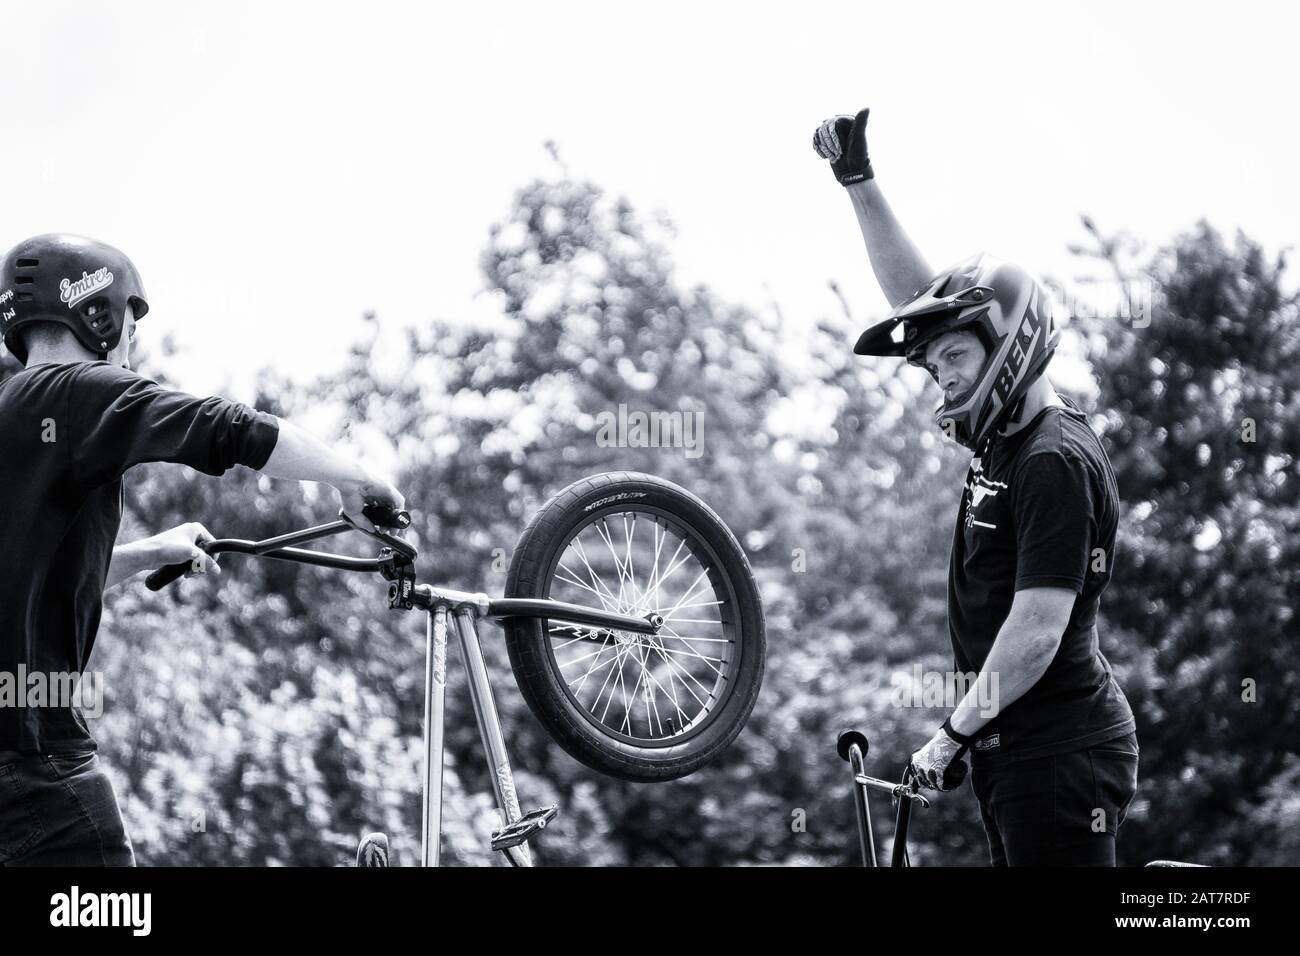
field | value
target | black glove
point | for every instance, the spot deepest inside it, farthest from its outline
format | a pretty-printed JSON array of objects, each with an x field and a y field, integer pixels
[
  {"x": 940, "y": 764},
  {"x": 843, "y": 140}
]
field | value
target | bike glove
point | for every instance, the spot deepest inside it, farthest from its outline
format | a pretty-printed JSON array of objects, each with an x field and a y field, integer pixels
[
  {"x": 843, "y": 141},
  {"x": 940, "y": 764}
]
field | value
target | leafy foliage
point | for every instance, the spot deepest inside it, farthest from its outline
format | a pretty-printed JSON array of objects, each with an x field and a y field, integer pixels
[{"x": 1201, "y": 410}]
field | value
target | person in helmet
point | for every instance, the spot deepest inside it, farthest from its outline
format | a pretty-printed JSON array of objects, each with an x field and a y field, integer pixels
[
  {"x": 73, "y": 421},
  {"x": 1054, "y": 761}
]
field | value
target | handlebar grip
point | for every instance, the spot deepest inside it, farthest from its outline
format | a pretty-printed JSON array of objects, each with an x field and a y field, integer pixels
[
  {"x": 382, "y": 516},
  {"x": 847, "y": 739},
  {"x": 164, "y": 576}
]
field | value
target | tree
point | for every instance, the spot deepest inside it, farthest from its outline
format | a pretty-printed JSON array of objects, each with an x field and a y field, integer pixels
[{"x": 1201, "y": 412}]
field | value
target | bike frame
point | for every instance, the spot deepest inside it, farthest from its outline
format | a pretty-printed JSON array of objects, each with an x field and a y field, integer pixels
[
  {"x": 443, "y": 607},
  {"x": 463, "y": 610}
]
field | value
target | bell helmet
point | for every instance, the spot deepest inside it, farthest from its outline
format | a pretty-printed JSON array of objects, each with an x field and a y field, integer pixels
[
  {"x": 79, "y": 283},
  {"x": 1012, "y": 315}
]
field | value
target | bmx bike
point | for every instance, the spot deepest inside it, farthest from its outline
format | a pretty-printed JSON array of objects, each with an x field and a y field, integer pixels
[
  {"x": 853, "y": 747},
  {"x": 633, "y": 624}
]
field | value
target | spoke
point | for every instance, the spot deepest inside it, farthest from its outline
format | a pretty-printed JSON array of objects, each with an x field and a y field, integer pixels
[
  {"x": 579, "y": 660},
  {"x": 693, "y": 654},
  {"x": 629, "y": 535},
  {"x": 651, "y": 700},
  {"x": 612, "y": 660},
  {"x": 609, "y": 543},
  {"x": 626, "y": 726},
  {"x": 682, "y": 607},
  {"x": 674, "y": 667},
  {"x": 596, "y": 579},
  {"x": 651, "y": 585},
  {"x": 703, "y": 657},
  {"x": 689, "y": 591},
  {"x": 651, "y": 709},
  {"x": 712, "y": 640},
  {"x": 672, "y": 693},
  {"x": 652, "y": 590},
  {"x": 608, "y": 675},
  {"x": 621, "y": 658},
  {"x": 573, "y": 640},
  {"x": 673, "y": 565},
  {"x": 576, "y": 583}
]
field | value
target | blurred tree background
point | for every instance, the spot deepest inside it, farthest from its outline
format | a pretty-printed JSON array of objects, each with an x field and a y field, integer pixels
[{"x": 272, "y": 715}]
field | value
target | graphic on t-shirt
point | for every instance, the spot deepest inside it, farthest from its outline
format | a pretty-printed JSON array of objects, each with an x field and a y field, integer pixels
[{"x": 979, "y": 489}]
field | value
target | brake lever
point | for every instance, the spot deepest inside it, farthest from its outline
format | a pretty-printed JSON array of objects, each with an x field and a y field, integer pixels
[{"x": 911, "y": 787}]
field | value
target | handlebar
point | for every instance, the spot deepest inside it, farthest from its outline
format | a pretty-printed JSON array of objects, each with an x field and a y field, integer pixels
[
  {"x": 908, "y": 789},
  {"x": 395, "y": 556}
]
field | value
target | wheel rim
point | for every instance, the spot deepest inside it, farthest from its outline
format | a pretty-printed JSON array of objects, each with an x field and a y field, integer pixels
[{"x": 645, "y": 690}]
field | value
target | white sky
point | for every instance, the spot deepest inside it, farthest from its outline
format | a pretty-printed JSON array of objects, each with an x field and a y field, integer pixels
[{"x": 276, "y": 168}]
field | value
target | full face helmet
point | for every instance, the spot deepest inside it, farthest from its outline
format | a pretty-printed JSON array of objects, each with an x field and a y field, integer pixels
[{"x": 1006, "y": 308}]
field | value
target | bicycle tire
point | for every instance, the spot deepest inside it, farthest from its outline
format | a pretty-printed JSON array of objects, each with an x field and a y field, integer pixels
[{"x": 539, "y": 653}]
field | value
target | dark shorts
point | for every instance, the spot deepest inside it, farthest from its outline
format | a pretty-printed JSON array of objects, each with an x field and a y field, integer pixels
[
  {"x": 59, "y": 810},
  {"x": 1062, "y": 810}
]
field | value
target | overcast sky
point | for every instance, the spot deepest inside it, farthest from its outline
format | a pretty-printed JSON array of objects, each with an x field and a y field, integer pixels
[{"x": 276, "y": 168}]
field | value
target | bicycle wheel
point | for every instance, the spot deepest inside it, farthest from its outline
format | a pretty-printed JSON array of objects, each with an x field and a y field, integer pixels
[{"x": 636, "y": 706}]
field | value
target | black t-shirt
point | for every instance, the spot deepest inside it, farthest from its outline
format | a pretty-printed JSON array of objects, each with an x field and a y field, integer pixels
[
  {"x": 1039, "y": 510},
  {"x": 67, "y": 434}
]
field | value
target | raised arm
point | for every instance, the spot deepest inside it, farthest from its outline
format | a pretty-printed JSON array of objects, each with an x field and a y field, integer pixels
[{"x": 898, "y": 264}]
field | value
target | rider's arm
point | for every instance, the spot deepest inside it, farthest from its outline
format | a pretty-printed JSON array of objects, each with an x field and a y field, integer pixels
[
  {"x": 1025, "y": 646},
  {"x": 126, "y": 419},
  {"x": 898, "y": 264},
  {"x": 298, "y": 454},
  {"x": 301, "y": 455},
  {"x": 129, "y": 560},
  {"x": 119, "y": 419}
]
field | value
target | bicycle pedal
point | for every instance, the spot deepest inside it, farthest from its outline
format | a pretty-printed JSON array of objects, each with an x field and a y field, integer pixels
[{"x": 522, "y": 829}]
